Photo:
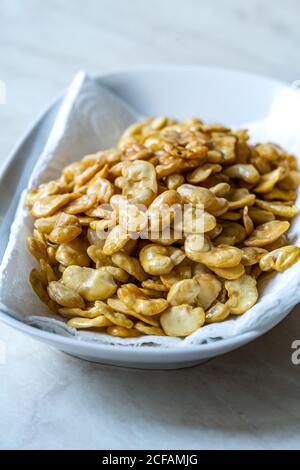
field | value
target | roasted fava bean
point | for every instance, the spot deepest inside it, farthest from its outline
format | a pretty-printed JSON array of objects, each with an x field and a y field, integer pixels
[
  {"x": 117, "y": 305},
  {"x": 184, "y": 292},
  {"x": 222, "y": 256},
  {"x": 157, "y": 259},
  {"x": 134, "y": 298},
  {"x": 37, "y": 248},
  {"x": 148, "y": 330},
  {"x": 238, "y": 198},
  {"x": 280, "y": 259},
  {"x": 267, "y": 233},
  {"x": 116, "y": 318},
  {"x": 260, "y": 216},
  {"x": 278, "y": 208},
  {"x": 182, "y": 320},
  {"x": 48, "y": 205},
  {"x": 245, "y": 172},
  {"x": 130, "y": 265},
  {"x": 116, "y": 240},
  {"x": 230, "y": 273},
  {"x": 242, "y": 294},
  {"x": 178, "y": 273},
  {"x": 91, "y": 284},
  {"x": 210, "y": 288},
  {"x": 72, "y": 253},
  {"x": 252, "y": 255},
  {"x": 269, "y": 180},
  {"x": 82, "y": 323},
  {"x": 218, "y": 312},
  {"x": 64, "y": 295},
  {"x": 123, "y": 332}
]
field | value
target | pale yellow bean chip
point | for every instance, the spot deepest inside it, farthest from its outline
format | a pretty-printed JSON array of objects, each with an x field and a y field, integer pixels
[
  {"x": 182, "y": 320},
  {"x": 242, "y": 294}
]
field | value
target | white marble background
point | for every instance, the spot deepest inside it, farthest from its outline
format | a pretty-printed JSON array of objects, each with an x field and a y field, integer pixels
[{"x": 246, "y": 399}]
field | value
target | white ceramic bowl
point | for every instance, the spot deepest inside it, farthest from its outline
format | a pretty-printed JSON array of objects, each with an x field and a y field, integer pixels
[{"x": 217, "y": 95}]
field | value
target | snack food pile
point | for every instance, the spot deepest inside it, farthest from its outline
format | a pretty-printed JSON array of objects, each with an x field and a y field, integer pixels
[{"x": 170, "y": 230}]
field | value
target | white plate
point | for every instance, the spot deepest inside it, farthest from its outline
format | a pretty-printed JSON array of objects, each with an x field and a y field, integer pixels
[{"x": 216, "y": 95}]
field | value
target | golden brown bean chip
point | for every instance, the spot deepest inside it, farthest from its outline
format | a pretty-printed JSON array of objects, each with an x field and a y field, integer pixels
[
  {"x": 155, "y": 284},
  {"x": 239, "y": 198},
  {"x": 178, "y": 273},
  {"x": 116, "y": 304},
  {"x": 37, "y": 248},
  {"x": 148, "y": 330},
  {"x": 64, "y": 295},
  {"x": 245, "y": 172},
  {"x": 38, "y": 283},
  {"x": 91, "y": 312},
  {"x": 252, "y": 255},
  {"x": 210, "y": 288},
  {"x": 267, "y": 233},
  {"x": 98, "y": 256},
  {"x": 130, "y": 265},
  {"x": 280, "y": 259},
  {"x": 260, "y": 216},
  {"x": 222, "y": 256},
  {"x": 191, "y": 213},
  {"x": 218, "y": 312},
  {"x": 203, "y": 172},
  {"x": 248, "y": 224},
  {"x": 230, "y": 273},
  {"x": 232, "y": 233},
  {"x": 123, "y": 332},
  {"x": 279, "y": 194},
  {"x": 134, "y": 298},
  {"x": 116, "y": 318},
  {"x": 156, "y": 259},
  {"x": 66, "y": 229},
  {"x": 83, "y": 323},
  {"x": 91, "y": 284},
  {"x": 117, "y": 273},
  {"x": 269, "y": 180},
  {"x": 116, "y": 240},
  {"x": 186, "y": 291},
  {"x": 82, "y": 204},
  {"x": 48, "y": 205},
  {"x": 174, "y": 180},
  {"x": 278, "y": 208}
]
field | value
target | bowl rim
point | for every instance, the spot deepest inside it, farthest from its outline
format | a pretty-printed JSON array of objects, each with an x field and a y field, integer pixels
[{"x": 216, "y": 347}]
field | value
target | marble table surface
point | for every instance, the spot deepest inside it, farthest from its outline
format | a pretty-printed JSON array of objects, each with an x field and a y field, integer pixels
[{"x": 48, "y": 400}]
